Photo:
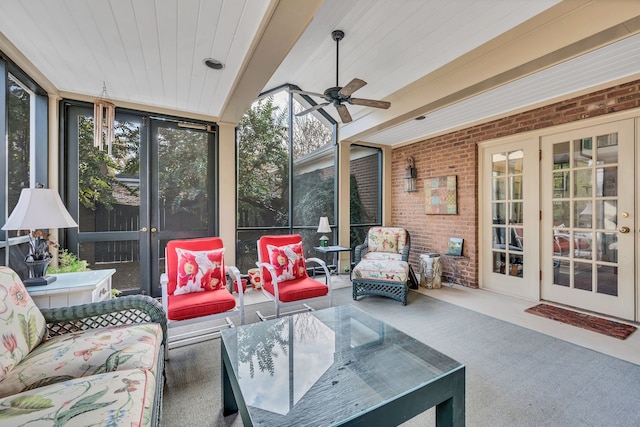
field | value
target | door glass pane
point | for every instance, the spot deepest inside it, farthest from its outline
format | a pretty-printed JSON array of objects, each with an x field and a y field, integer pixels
[
  {"x": 561, "y": 272},
  {"x": 561, "y": 184},
  {"x": 108, "y": 184},
  {"x": 607, "y": 280},
  {"x": 499, "y": 189},
  {"x": 583, "y": 276},
  {"x": 607, "y": 182},
  {"x": 583, "y": 152},
  {"x": 499, "y": 263},
  {"x": 606, "y": 214},
  {"x": 498, "y": 164},
  {"x": 607, "y": 247},
  {"x": 582, "y": 183},
  {"x": 123, "y": 255},
  {"x": 607, "y": 148},
  {"x": 561, "y": 213},
  {"x": 515, "y": 188},
  {"x": 516, "y": 215},
  {"x": 183, "y": 171},
  {"x": 516, "y": 162},
  {"x": 583, "y": 214}
]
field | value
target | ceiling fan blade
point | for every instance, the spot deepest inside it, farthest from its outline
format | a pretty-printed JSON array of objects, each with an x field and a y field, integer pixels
[
  {"x": 351, "y": 87},
  {"x": 314, "y": 108},
  {"x": 344, "y": 113},
  {"x": 370, "y": 103},
  {"x": 304, "y": 92}
]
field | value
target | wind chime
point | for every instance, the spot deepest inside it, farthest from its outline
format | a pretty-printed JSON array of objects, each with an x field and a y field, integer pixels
[{"x": 104, "y": 115}]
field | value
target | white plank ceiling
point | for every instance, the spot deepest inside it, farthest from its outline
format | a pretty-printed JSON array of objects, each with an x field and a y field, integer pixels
[{"x": 150, "y": 53}]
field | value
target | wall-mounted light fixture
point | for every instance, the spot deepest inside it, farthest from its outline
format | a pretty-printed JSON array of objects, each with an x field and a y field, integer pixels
[{"x": 410, "y": 176}]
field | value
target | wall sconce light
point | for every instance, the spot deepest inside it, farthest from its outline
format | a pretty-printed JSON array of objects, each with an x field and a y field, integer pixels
[{"x": 410, "y": 176}]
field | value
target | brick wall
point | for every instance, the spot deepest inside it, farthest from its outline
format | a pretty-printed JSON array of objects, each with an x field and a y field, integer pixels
[{"x": 456, "y": 153}]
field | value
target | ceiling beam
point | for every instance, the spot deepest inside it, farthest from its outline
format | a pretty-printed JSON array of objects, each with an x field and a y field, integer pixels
[
  {"x": 562, "y": 32},
  {"x": 283, "y": 25}
]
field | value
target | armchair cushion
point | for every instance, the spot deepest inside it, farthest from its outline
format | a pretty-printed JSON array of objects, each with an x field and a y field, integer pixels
[
  {"x": 200, "y": 271},
  {"x": 112, "y": 398},
  {"x": 386, "y": 239},
  {"x": 193, "y": 305},
  {"x": 393, "y": 271},
  {"x": 87, "y": 352},
  {"x": 298, "y": 289},
  {"x": 22, "y": 324},
  {"x": 383, "y": 256},
  {"x": 287, "y": 261}
]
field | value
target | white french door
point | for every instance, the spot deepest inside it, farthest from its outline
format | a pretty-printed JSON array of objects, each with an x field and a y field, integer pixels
[
  {"x": 588, "y": 218},
  {"x": 509, "y": 211}
]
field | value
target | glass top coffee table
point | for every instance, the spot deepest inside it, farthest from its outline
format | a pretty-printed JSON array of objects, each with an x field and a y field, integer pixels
[{"x": 335, "y": 367}]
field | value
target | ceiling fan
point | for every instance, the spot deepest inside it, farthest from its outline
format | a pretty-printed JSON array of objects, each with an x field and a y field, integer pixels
[{"x": 339, "y": 95}]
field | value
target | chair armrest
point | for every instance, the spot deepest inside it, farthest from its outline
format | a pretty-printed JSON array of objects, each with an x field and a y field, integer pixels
[
  {"x": 322, "y": 264},
  {"x": 126, "y": 310},
  {"x": 406, "y": 249},
  {"x": 274, "y": 277},
  {"x": 234, "y": 273},
  {"x": 361, "y": 250}
]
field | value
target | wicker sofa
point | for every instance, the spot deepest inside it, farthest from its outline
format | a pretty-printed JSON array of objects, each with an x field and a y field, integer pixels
[
  {"x": 98, "y": 364},
  {"x": 381, "y": 264}
]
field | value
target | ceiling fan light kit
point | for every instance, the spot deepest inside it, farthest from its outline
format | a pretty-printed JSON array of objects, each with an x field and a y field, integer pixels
[{"x": 339, "y": 95}]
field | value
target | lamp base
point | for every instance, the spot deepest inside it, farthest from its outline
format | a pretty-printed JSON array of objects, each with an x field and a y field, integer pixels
[{"x": 39, "y": 281}]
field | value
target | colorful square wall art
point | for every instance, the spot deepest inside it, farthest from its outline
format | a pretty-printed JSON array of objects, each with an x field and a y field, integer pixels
[{"x": 440, "y": 195}]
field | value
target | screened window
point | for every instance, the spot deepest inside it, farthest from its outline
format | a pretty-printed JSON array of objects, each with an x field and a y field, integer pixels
[
  {"x": 286, "y": 173},
  {"x": 23, "y": 126}
]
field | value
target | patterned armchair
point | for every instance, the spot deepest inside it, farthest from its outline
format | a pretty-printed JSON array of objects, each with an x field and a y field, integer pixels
[{"x": 382, "y": 266}]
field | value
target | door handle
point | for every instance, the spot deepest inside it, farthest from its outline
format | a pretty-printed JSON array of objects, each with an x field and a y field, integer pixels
[
  {"x": 153, "y": 229},
  {"x": 143, "y": 229},
  {"x": 624, "y": 230}
]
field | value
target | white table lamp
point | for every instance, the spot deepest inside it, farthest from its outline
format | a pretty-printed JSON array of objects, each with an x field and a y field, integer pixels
[
  {"x": 39, "y": 208},
  {"x": 324, "y": 227}
]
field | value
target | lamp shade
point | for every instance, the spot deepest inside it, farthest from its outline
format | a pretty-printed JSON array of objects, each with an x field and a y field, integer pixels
[
  {"x": 324, "y": 226},
  {"x": 39, "y": 208}
]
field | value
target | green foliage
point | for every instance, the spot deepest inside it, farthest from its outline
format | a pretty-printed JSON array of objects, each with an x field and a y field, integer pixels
[
  {"x": 263, "y": 161},
  {"x": 68, "y": 262},
  {"x": 97, "y": 169},
  {"x": 313, "y": 196}
]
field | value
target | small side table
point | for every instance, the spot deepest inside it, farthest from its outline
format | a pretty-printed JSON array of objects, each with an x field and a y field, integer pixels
[
  {"x": 69, "y": 289},
  {"x": 326, "y": 250},
  {"x": 457, "y": 263}
]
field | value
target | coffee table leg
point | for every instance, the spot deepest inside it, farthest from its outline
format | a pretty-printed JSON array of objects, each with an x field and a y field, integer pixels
[
  {"x": 451, "y": 412},
  {"x": 229, "y": 405}
]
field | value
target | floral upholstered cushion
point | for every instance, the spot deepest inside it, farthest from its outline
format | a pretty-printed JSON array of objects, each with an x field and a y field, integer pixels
[
  {"x": 386, "y": 239},
  {"x": 22, "y": 326},
  {"x": 122, "y": 398},
  {"x": 288, "y": 261},
  {"x": 87, "y": 352},
  {"x": 200, "y": 271},
  {"x": 392, "y": 271},
  {"x": 382, "y": 256}
]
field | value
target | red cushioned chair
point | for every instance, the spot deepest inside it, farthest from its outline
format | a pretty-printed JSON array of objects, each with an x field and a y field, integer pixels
[
  {"x": 195, "y": 289},
  {"x": 284, "y": 276}
]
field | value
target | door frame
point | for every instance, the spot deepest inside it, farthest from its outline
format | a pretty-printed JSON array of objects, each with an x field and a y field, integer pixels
[
  {"x": 537, "y": 136},
  {"x": 150, "y": 252},
  {"x": 526, "y": 286}
]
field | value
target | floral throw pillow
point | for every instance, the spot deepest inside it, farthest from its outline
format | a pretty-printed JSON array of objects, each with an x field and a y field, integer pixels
[
  {"x": 200, "y": 271},
  {"x": 288, "y": 261},
  {"x": 384, "y": 241}
]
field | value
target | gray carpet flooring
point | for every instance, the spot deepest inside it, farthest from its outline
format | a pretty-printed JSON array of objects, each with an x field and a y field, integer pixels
[{"x": 515, "y": 376}]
